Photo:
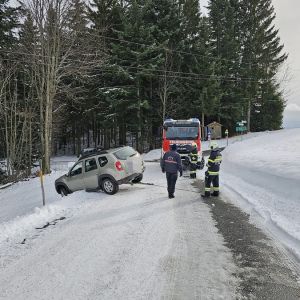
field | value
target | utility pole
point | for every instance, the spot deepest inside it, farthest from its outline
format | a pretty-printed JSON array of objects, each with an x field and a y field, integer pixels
[
  {"x": 202, "y": 115},
  {"x": 249, "y": 115}
]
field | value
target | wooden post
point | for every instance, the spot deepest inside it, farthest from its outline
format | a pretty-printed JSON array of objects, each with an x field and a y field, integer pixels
[
  {"x": 226, "y": 133},
  {"x": 42, "y": 183}
]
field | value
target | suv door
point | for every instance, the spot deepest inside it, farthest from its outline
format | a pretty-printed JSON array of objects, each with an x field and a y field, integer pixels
[
  {"x": 91, "y": 173},
  {"x": 75, "y": 178}
]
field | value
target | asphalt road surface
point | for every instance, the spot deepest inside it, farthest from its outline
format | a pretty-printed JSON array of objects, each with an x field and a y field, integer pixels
[{"x": 265, "y": 269}]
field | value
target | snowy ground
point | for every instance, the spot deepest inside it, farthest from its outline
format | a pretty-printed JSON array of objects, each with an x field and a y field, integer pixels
[
  {"x": 137, "y": 244},
  {"x": 260, "y": 173}
]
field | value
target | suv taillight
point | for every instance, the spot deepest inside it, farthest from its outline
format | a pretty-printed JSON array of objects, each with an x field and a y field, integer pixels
[{"x": 119, "y": 166}]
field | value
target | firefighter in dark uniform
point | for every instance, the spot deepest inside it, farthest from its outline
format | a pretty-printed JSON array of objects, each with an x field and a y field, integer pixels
[
  {"x": 171, "y": 165},
  {"x": 212, "y": 173},
  {"x": 193, "y": 160}
]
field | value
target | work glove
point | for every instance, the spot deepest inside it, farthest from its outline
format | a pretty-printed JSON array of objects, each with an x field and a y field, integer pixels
[{"x": 180, "y": 173}]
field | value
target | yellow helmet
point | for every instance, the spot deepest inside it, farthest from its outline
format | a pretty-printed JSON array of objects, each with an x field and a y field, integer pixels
[{"x": 214, "y": 145}]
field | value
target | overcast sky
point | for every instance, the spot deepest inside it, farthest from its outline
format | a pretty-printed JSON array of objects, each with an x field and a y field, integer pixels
[{"x": 287, "y": 21}]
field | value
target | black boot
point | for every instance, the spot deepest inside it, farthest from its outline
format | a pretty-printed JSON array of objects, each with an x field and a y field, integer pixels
[{"x": 206, "y": 195}]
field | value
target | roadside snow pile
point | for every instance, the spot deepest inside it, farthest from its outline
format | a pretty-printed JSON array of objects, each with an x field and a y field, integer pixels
[
  {"x": 21, "y": 226},
  {"x": 153, "y": 155},
  {"x": 63, "y": 163},
  {"x": 273, "y": 152},
  {"x": 23, "y": 197},
  {"x": 262, "y": 175}
]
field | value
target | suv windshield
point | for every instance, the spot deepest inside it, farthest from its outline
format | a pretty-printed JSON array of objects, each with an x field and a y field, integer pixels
[
  {"x": 182, "y": 133},
  {"x": 124, "y": 153}
]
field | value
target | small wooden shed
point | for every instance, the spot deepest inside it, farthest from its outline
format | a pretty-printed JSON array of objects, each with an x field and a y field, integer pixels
[{"x": 215, "y": 130}]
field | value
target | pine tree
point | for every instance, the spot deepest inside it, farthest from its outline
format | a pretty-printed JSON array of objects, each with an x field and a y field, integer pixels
[
  {"x": 225, "y": 37},
  {"x": 142, "y": 58},
  {"x": 201, "y": 91},
  {"x": 8, "y": 23},
  {"x": 262, "y": 56},
  {"x": 112, "y": 84}
]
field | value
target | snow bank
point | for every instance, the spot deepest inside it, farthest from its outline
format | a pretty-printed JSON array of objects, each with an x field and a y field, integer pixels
[
  {"x": 153, "y": 155},
  {"x": 21, "y": 226},
  {"x": 21, "y": 204},
  {"x": 63, "y": 163},
  {"x": 262, "y": 175},
  {"x": 272, "y": 152}
]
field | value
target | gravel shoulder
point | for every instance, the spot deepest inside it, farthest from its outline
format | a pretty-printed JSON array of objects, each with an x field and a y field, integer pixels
[{"x": 264, "y": 268}]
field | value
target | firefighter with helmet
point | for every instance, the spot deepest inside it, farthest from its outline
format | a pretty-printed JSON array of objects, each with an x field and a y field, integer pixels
[
  {"x": 212, "y": 173},
  {"x": 193, "y": 160}
]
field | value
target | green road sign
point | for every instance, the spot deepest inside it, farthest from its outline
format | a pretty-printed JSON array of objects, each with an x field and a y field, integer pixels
[{"x": 241, "y": 129}]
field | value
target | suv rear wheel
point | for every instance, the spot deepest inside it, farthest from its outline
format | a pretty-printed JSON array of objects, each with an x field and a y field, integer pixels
[
  {"x": 109, "y": 186},
  {"x": 137, "y": 179}
]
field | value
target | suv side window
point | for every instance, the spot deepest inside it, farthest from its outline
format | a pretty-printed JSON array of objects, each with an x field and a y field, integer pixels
[
  {"x": 102, "y": 161},
  {"x": 76, "y": 170},
  {"x": 90, "y": 164}
]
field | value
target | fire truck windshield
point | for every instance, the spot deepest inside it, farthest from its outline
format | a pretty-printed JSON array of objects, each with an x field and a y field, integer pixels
[{"x": 182, "y": 133}]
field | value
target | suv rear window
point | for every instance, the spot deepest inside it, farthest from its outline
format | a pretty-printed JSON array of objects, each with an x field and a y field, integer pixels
[
  {"x": 124, "y": 153},
  {"x": 102, "y": 161}
]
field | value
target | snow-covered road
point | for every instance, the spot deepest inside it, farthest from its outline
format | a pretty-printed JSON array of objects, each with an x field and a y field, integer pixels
[
  {"x": 261, "y": 175},
  {"x": 137, "y": 244}
]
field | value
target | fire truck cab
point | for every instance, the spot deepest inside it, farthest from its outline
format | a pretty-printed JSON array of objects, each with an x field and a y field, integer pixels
[{"x": 183, "y": 133}]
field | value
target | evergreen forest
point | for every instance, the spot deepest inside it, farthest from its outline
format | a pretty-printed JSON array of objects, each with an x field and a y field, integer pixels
[{"x": 76, "y": 74}]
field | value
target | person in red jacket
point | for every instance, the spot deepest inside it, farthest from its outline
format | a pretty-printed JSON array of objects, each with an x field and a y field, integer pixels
[{"x": 171, "y": 165}]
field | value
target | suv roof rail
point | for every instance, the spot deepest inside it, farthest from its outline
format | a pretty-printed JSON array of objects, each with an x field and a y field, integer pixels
[
  {"x": 98, "y": 152},
  {"x": 117, "y": 147}
]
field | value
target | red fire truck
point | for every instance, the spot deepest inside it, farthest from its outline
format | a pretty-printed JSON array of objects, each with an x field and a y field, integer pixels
[{"x": 183, "y": 133}]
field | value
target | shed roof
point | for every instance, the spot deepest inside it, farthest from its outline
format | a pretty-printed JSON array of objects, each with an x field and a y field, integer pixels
[{"x": 214, "y": 124}]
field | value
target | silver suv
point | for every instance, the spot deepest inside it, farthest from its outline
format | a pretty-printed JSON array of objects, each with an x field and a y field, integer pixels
[{"x": 103, "y": 170}]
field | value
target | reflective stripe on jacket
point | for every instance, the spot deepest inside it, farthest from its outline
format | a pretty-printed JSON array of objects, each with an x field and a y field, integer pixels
[
  {"x": 214, "y": 162},
  {"x": 194, "y": 158}
]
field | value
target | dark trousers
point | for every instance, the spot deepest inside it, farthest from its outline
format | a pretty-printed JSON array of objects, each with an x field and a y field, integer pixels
[
  {"x": 171, "y": 180},
  {"x": 211, "y": 180},
  {"x": 193, "y": 168}
]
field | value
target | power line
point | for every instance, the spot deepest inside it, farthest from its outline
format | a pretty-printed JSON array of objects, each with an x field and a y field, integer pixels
[
  {"x": 249, "y": 62},
  {"x": 171, "y": 74},
  {"x": 165, "y": 48}
]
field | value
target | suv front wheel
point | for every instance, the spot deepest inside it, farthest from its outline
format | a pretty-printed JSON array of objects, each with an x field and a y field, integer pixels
[
  {"x": 63, "y": 191},
  {"x": 109, "y": 186}
]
